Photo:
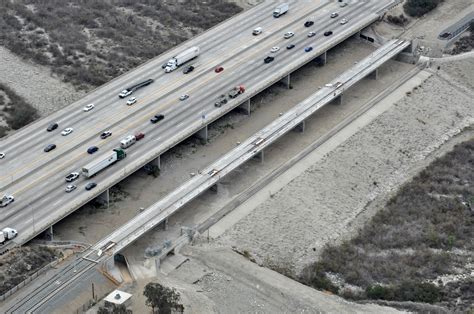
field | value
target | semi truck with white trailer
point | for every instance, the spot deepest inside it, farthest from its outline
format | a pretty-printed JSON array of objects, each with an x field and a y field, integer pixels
[
  {"x": 181, "y": 59},
  {"x": 103, "y": 162},
  {"x": 281, "y": 9},
  {"x": 7, "y": 234}
]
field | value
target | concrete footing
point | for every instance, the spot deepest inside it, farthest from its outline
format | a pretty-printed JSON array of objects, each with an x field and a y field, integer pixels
[
  {"x": 245, "y": 107},
  {"x": 104, "y": 198},
  {"x": 202, "y": 135},
  {"x": 287, "y": 81}
]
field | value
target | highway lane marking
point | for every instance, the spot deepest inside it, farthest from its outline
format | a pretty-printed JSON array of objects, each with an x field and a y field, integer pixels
[
  {"x": 147, "y": 98},
  {"x": 165, "y": 106}
]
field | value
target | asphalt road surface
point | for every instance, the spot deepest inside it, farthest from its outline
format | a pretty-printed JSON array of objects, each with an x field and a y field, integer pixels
[{"x": 36, "y": 178}]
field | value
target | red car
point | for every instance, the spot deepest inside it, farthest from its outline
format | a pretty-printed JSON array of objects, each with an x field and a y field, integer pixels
[
  {"x": 139, "y": 136},
  {"x": 219, "y": 69}
]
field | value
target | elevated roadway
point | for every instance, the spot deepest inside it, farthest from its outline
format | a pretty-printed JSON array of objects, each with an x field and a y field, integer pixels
[
  {"x": 104, "y": 250},
  {"x": 36, "y": 178}
]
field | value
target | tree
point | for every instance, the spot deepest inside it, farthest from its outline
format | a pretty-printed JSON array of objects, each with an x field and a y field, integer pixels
[{"x": 162, "y": 299}]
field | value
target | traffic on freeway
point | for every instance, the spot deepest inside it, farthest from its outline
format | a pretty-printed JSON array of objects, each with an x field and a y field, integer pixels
[{"x": 119, "y": 127}]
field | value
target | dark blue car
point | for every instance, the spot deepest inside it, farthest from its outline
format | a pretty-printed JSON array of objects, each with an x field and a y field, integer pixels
[
  {"x": 308, "y": 49},
  {"x": 92, "y": 149}
]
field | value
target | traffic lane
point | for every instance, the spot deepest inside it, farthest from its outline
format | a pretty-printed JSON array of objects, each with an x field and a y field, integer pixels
[
  {"x": 57, "y": 193},
  {"x": 45, "y": 144},
  {"x": 115, "y": 86},
  {"x": 111, "y": 91},
  {"x": 94, "y": 111}
]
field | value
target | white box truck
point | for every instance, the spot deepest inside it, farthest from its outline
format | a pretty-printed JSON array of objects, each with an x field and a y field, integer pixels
[
  {"x": 103, "y": 162},
  {"x": 128, "y": 141},
  {"x": 281, "y": 9},
  {"x": 181, "y": 59},
  {"x": 7, "y": 234}
]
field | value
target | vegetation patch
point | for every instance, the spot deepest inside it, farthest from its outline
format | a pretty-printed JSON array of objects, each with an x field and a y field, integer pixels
[
  {"x": 90, "y": 42},
  {"x": 466, "y": 43},
  {"x": 18, "y": 264},
  {"x": 14, "y": 110},
  {"x": 162, "y": 299},
  {"x": 418, "y": 8},
  {"x": 408, "y": 250}
]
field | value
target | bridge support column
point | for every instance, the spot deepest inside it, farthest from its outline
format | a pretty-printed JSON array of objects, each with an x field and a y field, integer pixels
[
  {"x": 156, "y": 162},
  {"x": 322, "y": 58},
  {"x": 374, "y": 75},
  {"x": 245, "y": 107},
  {"x": 286, "y": 80},
  {"x": 165, "y": 224},
  {"x": 300, "y": 127},
  {"x": 104, "y": 198},
  {"x": 214, "y": 188},
  {"x": 337, "y": 100},
  {"x": 50, "y": 233},
  {"x": 202, "y": 134},
  {"x": 260, "y": 156}
]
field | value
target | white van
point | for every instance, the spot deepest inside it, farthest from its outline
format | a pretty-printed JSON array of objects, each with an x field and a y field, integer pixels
[
  {"x": 128, "y": 141},
  {"x": 257, "y": 31}
]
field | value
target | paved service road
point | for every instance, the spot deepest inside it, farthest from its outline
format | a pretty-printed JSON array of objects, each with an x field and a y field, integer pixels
[{"x": 37, "y": 179}]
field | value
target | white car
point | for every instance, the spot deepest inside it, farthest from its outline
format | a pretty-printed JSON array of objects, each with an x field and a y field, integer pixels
[
  {"x": 334, "y": 14},
  {"x": 7, "y": 199},
  {"x": 2, "y": 155},
  {"x": 311, "y": 34},
  {"x": 70, "y": 188},
  {"x": 183, "y": 97},
  {"x": 131, "y": 101},
  {"x": 343, "y": 21},
  {"x": 125, "y": 93},
  {"x": 257, "y": 31},
  {"x": 288, "y": 35},
  {"x": 88, "y": 107},
  {"x": 274, "y": 49},
  {"x": 67, "y": 131}
]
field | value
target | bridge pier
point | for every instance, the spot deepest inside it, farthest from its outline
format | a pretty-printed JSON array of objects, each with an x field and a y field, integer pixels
[
  {"x": 287, "y": 81},
  {"x": 104, "y": 198},
  {"x": 156, "y": 162},
  {"x": 322, "y": 58},
  {"x": 49, "y": 232},
  {"x": 214, "y": 188},
  {"x": 165, "y": 224},
  {"x": 260, "y": 156},
  {"x": 300, "y": 127},
  {"x": 374, "y": 75},
  {"x": 337, "y": 100},
  {"x": 202, "y": 135},
  {"x": 245, "y": 107}
]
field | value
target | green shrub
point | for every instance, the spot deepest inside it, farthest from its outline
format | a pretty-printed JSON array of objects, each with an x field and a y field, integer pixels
[{"x": 420, "y": 7}]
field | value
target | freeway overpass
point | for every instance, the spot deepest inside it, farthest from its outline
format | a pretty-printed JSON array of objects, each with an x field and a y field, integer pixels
[
  {"x": 105, "y": 249},
  {"x": 36, "y": 178}
]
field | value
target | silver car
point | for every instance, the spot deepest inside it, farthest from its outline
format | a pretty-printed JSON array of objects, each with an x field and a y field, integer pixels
[{"x": 70, "y": 188}]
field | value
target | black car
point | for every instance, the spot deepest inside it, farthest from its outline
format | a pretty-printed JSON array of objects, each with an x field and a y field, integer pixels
[
  {"x": 49, "y": 148},
  {"x": 268, "y": 59},
  {"x": 52, "y": 126},
  {"x": 157, "y": 118},
  {"x": 188, "y": 69},
  {"x": 92, "y": 149},
  {"x": 90, "y": 185},
  {"x": 308, "y": 23},
  {"x": 328, "y": 33},
  {"x": 290, "y": 46}
]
